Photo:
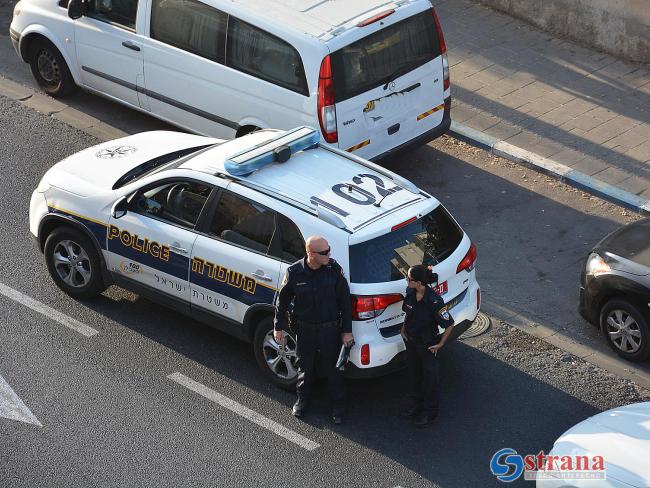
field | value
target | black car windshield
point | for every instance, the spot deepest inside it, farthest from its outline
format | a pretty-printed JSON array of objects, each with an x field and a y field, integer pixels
[
  {"x": 428, "y": 240},
  {"x": 161, "y": 163},
  {"x": 631, "y": 242}
]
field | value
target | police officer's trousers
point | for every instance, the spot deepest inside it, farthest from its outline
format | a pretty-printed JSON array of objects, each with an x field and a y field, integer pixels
[
  {"x": 424, "y": 377},
  {"x": 319, "y": 344}
]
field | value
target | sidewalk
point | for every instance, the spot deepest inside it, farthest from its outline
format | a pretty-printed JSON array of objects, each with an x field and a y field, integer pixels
[{"x": 576, "y": 106}]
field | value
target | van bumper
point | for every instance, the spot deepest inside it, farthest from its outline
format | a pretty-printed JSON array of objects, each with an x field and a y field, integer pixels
[
  {"x": 15, "y": 40},
  {"x": 422, "y": 139}
]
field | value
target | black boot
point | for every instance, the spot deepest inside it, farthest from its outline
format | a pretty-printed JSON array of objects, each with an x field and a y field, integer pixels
[
  {"x": 410, "y": 412},
  {"x": 299, "y": 408},
  {"x": 424, "y": 420}
]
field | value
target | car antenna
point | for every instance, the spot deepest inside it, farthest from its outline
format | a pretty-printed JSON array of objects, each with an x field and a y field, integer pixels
[{"x": 377, "y": 204}]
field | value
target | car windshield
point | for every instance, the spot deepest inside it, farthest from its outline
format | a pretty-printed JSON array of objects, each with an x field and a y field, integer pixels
[
  {"x": 161, "y": 163},
  {"x": 631, "y": 242},
  {"x": 428, "y": 240},
  {"x": 384, "y": 55}
]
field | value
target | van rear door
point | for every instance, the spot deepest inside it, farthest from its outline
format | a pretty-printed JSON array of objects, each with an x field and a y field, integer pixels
[{"x": 388, "y": 86}]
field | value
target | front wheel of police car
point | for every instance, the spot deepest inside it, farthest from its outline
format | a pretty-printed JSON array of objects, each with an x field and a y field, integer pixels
[
  {"x": 74, "y": 263},
  {"x": 278, "y": 361}
]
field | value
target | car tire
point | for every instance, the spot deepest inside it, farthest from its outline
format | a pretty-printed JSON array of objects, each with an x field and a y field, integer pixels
[
  {"x": 73, "y": 263},
  {"x": 625, "y": 329},
  {"x": 50, "y": 69},
  {"x": 277, "y": 362}
]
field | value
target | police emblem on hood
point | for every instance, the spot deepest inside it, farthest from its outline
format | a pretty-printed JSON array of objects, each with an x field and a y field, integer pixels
[{"x": 114, "y": 152}]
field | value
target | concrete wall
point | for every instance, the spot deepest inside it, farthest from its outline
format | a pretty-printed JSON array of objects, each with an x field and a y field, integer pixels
[{"x": 620, "y": 27}]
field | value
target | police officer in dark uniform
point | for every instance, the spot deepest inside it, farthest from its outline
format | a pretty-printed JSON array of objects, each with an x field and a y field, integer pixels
[
  {"x": 321, "y": 300},
  {"x": 425, "y": 311}
]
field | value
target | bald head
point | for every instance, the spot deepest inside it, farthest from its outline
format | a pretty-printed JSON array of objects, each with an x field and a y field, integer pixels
[
  {"x": 316, "y": 244},
  {"x": 317, "y": 251}
]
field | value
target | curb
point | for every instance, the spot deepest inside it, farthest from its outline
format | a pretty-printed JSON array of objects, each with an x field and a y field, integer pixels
[{"x": 551, "y": 168}]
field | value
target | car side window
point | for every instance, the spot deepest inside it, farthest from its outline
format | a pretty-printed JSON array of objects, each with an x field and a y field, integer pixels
[
  {"x": 190, "y": 25},
  {"x": 178, "y": 202},
  {"x": 120, "y": 12},
  {"x": 292, "y": 243},
  {"x": 264, "y": 56},
  {"x": 243, "y": 222}
]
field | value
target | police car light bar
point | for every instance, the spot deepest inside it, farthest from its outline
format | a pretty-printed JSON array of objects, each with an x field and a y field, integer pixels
[{"x": 279, "y": 150}]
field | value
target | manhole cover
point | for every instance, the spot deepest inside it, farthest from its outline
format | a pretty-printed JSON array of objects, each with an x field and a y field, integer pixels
[{"x": 478, "y": 327}]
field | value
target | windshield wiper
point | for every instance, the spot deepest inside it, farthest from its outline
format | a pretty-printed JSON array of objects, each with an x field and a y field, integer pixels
[{"x": 396, "y": 74}]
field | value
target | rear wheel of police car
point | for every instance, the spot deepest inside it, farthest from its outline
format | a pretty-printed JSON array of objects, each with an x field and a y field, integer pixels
[
  {"x": 278, "y": 361},
  {"x": 74, "y": 263},
  {"x": 50, "y": 69},
  {"x": 626, "y": 330}
]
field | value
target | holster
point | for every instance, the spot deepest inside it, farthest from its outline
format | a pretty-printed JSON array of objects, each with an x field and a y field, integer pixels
[{"x": 293, "y": 323}]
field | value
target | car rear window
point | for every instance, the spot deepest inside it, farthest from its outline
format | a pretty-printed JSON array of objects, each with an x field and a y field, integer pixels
[
  {"x": 631, "y": 242},
  {"x": 385, "y": 54},
  {"x": 428, "y": 240}
]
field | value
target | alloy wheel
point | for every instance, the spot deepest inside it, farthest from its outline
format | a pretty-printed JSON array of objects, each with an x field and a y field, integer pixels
[
  {"x": 624, "y": 331},
  {"x": 72, "y": 263},
  {"x": 280, "y": 358}
]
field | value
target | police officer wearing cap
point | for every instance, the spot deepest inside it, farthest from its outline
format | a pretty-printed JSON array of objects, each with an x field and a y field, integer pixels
[
  {"x": 321, "y": 301},
  {"x": 425, "y": 311}
]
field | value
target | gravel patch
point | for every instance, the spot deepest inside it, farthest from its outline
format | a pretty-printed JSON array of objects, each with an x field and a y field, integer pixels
[{"x": 558, "y": 368}]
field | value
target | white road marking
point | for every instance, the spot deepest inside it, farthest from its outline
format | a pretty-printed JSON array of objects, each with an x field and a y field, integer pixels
[
  {"x": 12, "y": 407},
  {"x": 243, "y": 411},
  {"x": 49, "y": 312}
]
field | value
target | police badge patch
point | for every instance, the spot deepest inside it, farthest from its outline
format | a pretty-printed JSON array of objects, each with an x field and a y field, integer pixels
[{"x": 444, "y": 313}]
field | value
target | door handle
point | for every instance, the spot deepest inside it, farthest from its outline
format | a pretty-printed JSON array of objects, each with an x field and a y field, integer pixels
[
  {"x": 176, "y": 247},
  {"x": 130, "y": 45},
  {"x": 261, "y": 275}
]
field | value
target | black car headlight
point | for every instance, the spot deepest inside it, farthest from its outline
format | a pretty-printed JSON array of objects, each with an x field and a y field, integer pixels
[{"x": 596, "y": 265}]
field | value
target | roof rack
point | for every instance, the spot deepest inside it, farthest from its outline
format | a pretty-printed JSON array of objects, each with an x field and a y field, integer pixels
[
  {"x": 320, "y": 212},
  {"x": 403, "y": 182}
]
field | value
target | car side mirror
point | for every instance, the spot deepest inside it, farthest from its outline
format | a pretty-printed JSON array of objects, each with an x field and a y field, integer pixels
[
  {"x": 75, "y": 9},
  {"x": 119, "y": 208}
]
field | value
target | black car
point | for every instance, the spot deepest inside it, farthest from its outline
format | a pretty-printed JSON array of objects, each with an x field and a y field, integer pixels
[{"x": 615, "y": 289}]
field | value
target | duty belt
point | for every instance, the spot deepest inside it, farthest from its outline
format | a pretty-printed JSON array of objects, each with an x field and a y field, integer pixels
[{"x": 302, "y": 323}]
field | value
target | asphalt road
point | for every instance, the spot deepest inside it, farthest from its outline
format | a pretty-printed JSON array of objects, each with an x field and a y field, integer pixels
[{"x": 111, "y": 417}]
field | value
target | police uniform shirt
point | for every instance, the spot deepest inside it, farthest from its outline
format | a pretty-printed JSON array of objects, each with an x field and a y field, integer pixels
[
  {"x": 424, "y": 317},
  {"x": 319, "y": 295}
]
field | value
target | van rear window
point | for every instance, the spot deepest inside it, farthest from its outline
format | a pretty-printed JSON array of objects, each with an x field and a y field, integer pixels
[
  {"x": 383, "y": 55},
  {"x": 429, "y": 240}
]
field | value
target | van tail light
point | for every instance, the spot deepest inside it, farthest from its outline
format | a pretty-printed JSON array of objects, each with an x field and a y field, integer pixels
[
  {"x": 375, "y": 18},
  {"x": 369, "y": 307},
  {"x": 443, "y": 51},
  {"x": 326, "y": 104},
  {"x": 468, "y": 261},
  {"x": 365, "y": 354}
]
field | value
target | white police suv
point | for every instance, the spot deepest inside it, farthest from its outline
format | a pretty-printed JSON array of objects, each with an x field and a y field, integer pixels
[{"x": 209, "y": 228}]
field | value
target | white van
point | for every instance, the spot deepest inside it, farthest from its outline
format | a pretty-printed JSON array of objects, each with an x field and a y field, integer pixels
[{"x": 372, "y": 74}]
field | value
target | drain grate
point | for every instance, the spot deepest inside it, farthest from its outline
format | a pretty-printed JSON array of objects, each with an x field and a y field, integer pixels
[{"x": 478, "y": 327}]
